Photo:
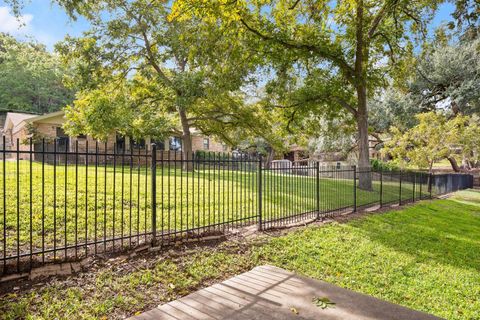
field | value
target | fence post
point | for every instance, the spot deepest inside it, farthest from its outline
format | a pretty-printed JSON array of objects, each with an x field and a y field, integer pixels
[
  {"x": 154, "y": 194},
  {"x": 430, "y": 184},
  {"x": 4, "y": 177},
  {"x": 318, "y": 189},
  {"x": 354, "y": 188},
  {"x": 400, "y": 189},
  {"x": 420, "y": 184},
  {"x": 381, "y": 186},
  {"x": 259, "y": 193},
  {"x": 414, "y": 182}
]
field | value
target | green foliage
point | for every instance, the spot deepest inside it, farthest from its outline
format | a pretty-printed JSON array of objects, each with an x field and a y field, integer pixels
[
  {"x": 323, "y": 303},
  {"x": 448, "y": 75},
  {"x": 323, "y": 57},
  {"x": 467, "y": 18},
  {"x": 31, "y": 77},
  {"x": 334, "y": 136},
  {"x": 119, "y": 106},
  {"x": 381, "y": 165},
  {"x": 204, "y": 154},
  {"x": 434, "y": 138},
  {"x": 393, "y": 107},
  {"x": 444, "y": 76},
  {"x": 180, "y": 74}
]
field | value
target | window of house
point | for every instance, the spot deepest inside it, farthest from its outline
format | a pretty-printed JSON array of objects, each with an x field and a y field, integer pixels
[
  {"x": 225, "y": 147},
  {"x": 61, "y": 133},
  {"x": 175, "y": 144},
  {"x": 206, "y": 143},
  {"x": 138, "y": 143},
  {"x": 160, "y": 144},
  {"x": 120, "y": 143},
  {"x": 62, "y": 139}
]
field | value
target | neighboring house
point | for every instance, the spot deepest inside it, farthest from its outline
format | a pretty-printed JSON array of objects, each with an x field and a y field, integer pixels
[
  {"x": 300, "y": 154},
  {"x": 3, "y": 117},
  {"x": 11, "y": 128},
  {"x": 19, "y": 127},
  {"x": 296, "y": 153},
  {"x": 374, "y": 149}
]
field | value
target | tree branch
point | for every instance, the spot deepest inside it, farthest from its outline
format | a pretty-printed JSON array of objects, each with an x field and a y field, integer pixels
[
  {"x": 332, "y": 57},
  {"x": 294, "y": 5},
  {"x": 154, "y": 64},
  {"x": 376, "y": 136},
  {"x": 389, "y": 44},
  {"x": 379, "y": 17},
  {"x": 346, "y": 105},
  {"x": 339, "y": 100}
]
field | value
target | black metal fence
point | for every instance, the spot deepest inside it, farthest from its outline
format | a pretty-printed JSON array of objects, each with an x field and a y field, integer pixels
[
  {"x": 448, "y": 182},
  {"x": 64, "y": 205}
]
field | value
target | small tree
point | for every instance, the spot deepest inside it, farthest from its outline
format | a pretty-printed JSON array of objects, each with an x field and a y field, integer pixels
[
  {"x": 434, "y": 138},
  {"x": 468, "y": 135}
]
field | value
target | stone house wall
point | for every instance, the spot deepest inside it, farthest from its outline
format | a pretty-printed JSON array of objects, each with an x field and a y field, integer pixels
[
  {"x": 214, "y": 145},
  {"x": 49, "y": 127}
]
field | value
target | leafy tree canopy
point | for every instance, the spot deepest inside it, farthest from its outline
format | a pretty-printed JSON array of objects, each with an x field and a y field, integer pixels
[
  {"x": 120, "y": 106},
  {"x": 31, "y": 77},
  {"x": 467, "y": 18},
  {"x": 327, "y": 57},
  {"x": 435, "y": 138},
  {"x": 184, "y": 68},
  {"x": 448, "y": 76},
  {"x": 444, "y": 77}
]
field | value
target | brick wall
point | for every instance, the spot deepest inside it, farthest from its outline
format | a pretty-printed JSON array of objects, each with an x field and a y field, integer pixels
[
  {"x": 48, "y": 129},
  {"x": 20, "y": 136},
  {"x": 214, "y": 146}
]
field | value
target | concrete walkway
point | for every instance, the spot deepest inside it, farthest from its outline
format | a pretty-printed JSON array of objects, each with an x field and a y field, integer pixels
[{"x": 268, "y": 292}]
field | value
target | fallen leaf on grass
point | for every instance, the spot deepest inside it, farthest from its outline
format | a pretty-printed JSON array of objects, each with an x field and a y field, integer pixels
[{"x": 322, "y": 302}]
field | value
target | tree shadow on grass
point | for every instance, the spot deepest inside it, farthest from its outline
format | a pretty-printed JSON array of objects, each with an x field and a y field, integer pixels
[{"x": 442, "y": 231}]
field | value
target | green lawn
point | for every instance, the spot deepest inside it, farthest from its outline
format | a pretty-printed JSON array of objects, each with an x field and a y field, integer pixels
[
  {"x": 101, "y": 202},
  {"x": 425, "y": 256}
]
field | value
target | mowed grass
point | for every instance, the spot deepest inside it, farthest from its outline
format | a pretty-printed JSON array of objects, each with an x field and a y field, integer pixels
[
  {"x": 425, "y": 256},
  {"x": 77, "y": 204}
]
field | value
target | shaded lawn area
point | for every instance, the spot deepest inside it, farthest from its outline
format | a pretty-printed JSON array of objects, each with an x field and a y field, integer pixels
[
  {"x": 426, "y": 257},
  {"x": 86, "y": 202}
]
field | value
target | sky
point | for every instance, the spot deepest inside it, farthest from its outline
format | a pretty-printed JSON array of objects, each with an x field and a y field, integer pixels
[
  {"x": 42, "y": 20},
  {"x": 48, "y": 23}
]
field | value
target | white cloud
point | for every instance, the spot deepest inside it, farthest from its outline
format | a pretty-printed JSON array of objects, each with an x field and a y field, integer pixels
[{"x": 14, "y": 25}]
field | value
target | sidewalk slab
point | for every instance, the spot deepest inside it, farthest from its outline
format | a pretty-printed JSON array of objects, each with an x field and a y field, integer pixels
[{"x": 271, "y": 293}]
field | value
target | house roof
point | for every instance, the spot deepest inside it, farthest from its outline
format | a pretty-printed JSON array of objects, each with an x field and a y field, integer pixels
[
  {"x": 46, "y": 116},
  {"x": 295, "y": 147},
  {"x": 15, "y": 120}
]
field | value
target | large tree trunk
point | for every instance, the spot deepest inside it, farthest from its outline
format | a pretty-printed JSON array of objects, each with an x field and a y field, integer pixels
[
  {"x": 186, "y": 141},
  {"x": 361, "y": 59},
  {"x": 453, "y": 163},
  {"x": 430, "y": 176},
  {"x": 364, "y": 176},
  {"x": 269, "y": 158}
]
